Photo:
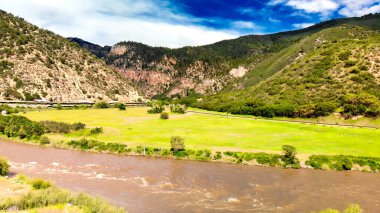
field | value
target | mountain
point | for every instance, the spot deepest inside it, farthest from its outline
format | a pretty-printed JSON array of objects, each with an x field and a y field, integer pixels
[
  {"x": 36, "y": 63},
  {"x": 230, "y": 65},
  {"x": 336, "y": 69},
  {"x": 99, "y": 51}
]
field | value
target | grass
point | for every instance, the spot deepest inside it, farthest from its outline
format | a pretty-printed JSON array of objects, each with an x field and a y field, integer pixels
[
  {"x": 135, "y": 127},
  {"x": 20, "y": 193}
]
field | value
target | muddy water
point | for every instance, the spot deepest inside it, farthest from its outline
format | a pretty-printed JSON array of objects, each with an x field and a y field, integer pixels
[{"x": 160, "y": 185}]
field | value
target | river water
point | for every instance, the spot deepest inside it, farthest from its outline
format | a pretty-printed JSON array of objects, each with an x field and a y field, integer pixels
[{"x": 143, "y": 184}]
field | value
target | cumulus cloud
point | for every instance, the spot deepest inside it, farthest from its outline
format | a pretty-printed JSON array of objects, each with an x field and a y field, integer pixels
[
  {"x": 326, "y": 8},
  {"x": 107, "y": 22}
]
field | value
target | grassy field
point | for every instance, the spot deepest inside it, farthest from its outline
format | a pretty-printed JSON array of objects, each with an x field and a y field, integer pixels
[{"x": 136, "y": 127}]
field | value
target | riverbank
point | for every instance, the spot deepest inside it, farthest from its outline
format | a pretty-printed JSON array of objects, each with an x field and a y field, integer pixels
[
  {"x": 20, "y": 193},
  {"x": 320, "y": 162},
  {"x": 144, "y": 184}
]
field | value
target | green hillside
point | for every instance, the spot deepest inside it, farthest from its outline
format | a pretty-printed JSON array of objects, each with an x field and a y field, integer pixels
[{"x": 336, "y": 69}]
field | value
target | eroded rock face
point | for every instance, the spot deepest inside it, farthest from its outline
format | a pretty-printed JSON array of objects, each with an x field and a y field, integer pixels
[
  {"x": 238, "y": 72},
  {"x": 118, "y": 50}
]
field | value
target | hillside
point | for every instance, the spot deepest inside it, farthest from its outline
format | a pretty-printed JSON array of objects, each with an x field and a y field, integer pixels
[
  {"x": 221, "y": 67},
  {"x": 36, "y": 63},
  {"x": 337, "y": 70}
]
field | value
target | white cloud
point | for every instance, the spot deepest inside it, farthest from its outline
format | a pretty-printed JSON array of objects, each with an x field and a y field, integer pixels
[
  {"x": 302, "y": 25},
  {"x": 326, "y": 8},
  {"x": 359, "y": 7},
  {"x": 246, "y": 25},
  {"x": 107, "y": 22}
]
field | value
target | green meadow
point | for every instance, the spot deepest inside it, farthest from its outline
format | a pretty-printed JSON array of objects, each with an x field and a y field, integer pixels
[{"x": 135, "y": 127}]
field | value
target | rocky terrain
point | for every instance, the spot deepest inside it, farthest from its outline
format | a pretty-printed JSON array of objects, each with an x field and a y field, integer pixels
[{"x": 36, "y": 63}]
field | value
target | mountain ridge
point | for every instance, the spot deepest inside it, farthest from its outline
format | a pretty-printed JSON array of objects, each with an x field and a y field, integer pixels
[{"x": 36, "y": 63}]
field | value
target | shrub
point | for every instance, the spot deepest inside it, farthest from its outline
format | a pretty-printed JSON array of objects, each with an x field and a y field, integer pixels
[
  {"x": 120, "y": 106},
  {"x": 178, "y": 108},
  {"x": 78, "y": 126},
  {"x": 177, "y": 143},
  {"x": 44, "y": 140},
  {"x": 4, "y": 167},
  {"x": 101, "y": 105},
  {"x": 96, "y": 130},
  {"x": 289, "y": 157},
  {"x": 218, "y": 156},
  {"x": 19, "y": 126},
  {"x": 40, "y": 184},
  {"x": 59, "y": 106},
  {"x": 155, "y": 109},
  {"x": 56, "y": 127},
  {"x": 164, "y": 115}
]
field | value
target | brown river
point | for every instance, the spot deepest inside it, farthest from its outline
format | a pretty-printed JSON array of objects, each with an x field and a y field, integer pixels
[{"x": 143, "y": 184}]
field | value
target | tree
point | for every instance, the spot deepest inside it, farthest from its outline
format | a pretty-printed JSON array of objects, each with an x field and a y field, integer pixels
[
  {"x": 177, "y": 143},
  {"x": 4, "y": 167},
  {"x": 289, "y": 157}
]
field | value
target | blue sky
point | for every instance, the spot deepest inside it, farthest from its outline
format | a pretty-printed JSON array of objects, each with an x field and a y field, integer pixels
[{"x": 180, "y": 23}]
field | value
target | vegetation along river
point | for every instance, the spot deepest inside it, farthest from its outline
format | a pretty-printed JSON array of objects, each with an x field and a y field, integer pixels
[{"x": 162, "y": 185}]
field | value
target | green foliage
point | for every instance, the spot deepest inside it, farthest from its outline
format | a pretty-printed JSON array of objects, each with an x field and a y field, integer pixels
[
  {"x": 156, "y": 109},
  {"x": 341, "y": 162},
  {"x": 8, "y": 109},
  {"x": 261, "y": 158},
  {"x": 31, "y": 97},
  {"x": 353, "y": 208},
  {"x": 4, "y": 167},
  {"x": 85, "y": 144},
  {"x": 78, "y": 126},
  {"x": 53, "y": 196},
  {"x": 177, "y": 143},
  {"x": 120, "y": 106},
  {"x": 44, "y": 140},
  {"x": 101, "y": 105},
  {"x": 61, "y": 127},
  {"x": 289, "y": 157},
  {"x": 40, "y": 184},
  {"x": 19, "y": 126},
  {"x": 59, "y": 106},
  {"x": 96, "y": 130},
  {"x": 178, "y": 108},
  {"x": 164, "y": 115}
]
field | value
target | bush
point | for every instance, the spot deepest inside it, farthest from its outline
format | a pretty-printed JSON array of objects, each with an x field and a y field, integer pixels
[
  {"x": 40, "y": 184},
  {"x": 101, "y": 105},
  {"x": 177, "y": 143},
  {"x": 78, "y": 126},
  {"x": 289, "y": 157},
  {"x": 155, "y": 109},
  {"x": 96, "y": 130},
  {"x": 4, "y": 167},
  {"x": 59, "y": 106},
  {"x": 56, "y": 127},
  {"x": 178, "y": 108},
  {"x": 341, "y": 162},
  {"x": 44, "y": 140},
  {"x": 120, "y": 106},
  {"x": 164, "y": 115},
  {"x": 19, "y": 126}
]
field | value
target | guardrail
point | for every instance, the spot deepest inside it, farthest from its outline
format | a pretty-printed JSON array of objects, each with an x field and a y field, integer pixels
[{"x": 64, "y": 104}]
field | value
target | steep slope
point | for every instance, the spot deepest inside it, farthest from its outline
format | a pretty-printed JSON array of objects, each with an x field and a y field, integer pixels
[
  {"x": 223, "y": 66},
  {"x": 35, "y": 63},
  {"x": 337, "y": 69}
]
